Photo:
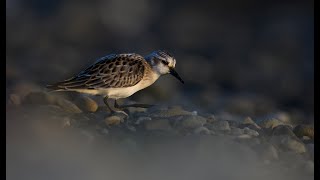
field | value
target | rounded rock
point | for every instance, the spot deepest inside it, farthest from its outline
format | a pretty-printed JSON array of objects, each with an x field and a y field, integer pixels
[
  {"x": 192, "y": 122},
  {"x": 221, "y": 125},
  {"x": 113, "y": 120},
  {"x": 282, "y": 130},
  {"x": 68, "y": 106},
  {"x": 86, "y": 104},
  {"x": 270, "y": 123}
]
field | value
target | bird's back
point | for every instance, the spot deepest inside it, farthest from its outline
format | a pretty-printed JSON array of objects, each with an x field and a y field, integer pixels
[{"x": 112, "y": 71}]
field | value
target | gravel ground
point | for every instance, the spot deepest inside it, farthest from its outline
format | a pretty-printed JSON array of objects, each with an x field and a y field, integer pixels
[{"x": 50, "y": 136}]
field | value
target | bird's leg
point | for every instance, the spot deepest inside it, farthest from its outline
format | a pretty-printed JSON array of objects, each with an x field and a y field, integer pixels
[
  {"x": 113, "y": 109},
  {"x": 132, "y": 105}
]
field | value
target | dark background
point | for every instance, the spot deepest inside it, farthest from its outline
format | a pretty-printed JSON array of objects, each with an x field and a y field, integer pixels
[{"x": 258, "y": 53}]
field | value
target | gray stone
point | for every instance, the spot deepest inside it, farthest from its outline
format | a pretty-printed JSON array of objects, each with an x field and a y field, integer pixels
[
  {"x": 221, "y": 126},
  {"x": 192, "y": 122}
]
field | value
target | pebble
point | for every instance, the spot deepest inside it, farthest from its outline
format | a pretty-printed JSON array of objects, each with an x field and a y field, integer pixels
[
  {"x": 192, "y": 122},
  {"x": 142, "y": 119},
  {"x": 236, "y": 131},
  {"x": 220, "y": 126},
  {"x": 288, "y": 143},
  {"x": 202, "y": 131},
  {"x": 269, "y": 123},
  {"x": 282, "y": 130},
  {"x": 86, "y": 104},
  {"x": 133, "y": 110},
  {"x": 173, "y": 111},
  {"x": 113, "y": 120},
  {"x": 304, "y": 130},
  {"x": 158, "y": 124},
  {"x": 39, "y": 98},
  {"x": 249, "y": 121},
  {"x": 250, "y": 132},
  {"x": 68, "y": 105},
  {"x": 14, "y": 99},
  {"x": 244, "y": 136}
]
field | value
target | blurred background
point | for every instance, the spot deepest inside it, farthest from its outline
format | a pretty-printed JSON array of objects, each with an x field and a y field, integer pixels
[{"x": 247, "y": 57}]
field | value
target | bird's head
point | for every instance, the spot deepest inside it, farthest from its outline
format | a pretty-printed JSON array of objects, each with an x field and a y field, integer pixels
[{"x": 163, "y": 63}]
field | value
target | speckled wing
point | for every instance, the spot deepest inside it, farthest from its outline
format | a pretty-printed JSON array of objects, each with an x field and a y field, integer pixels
[{"x": 112, "y": 71}]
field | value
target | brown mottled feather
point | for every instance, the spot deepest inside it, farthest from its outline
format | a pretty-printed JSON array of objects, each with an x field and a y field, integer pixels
[{"x": 112, "y": 71}]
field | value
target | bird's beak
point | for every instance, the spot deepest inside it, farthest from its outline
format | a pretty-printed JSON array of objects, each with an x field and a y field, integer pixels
[{"x": 174, "y": 73}]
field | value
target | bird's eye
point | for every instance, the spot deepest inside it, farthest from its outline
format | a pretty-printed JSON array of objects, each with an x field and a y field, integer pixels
[{"x": 165, "y": 62}]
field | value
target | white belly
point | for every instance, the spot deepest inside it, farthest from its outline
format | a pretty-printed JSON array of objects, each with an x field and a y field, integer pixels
[{"x": 117, "y": 93}]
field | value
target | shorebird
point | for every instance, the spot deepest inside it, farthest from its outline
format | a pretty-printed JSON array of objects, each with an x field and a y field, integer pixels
[{"x": 117, "y": 76}]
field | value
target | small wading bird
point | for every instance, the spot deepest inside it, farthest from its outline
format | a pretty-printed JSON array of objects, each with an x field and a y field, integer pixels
[{"x": 118, "y": 76}]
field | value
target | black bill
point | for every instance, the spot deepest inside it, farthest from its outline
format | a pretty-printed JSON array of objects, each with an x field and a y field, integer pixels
[{"x": 175, "y": 74}]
